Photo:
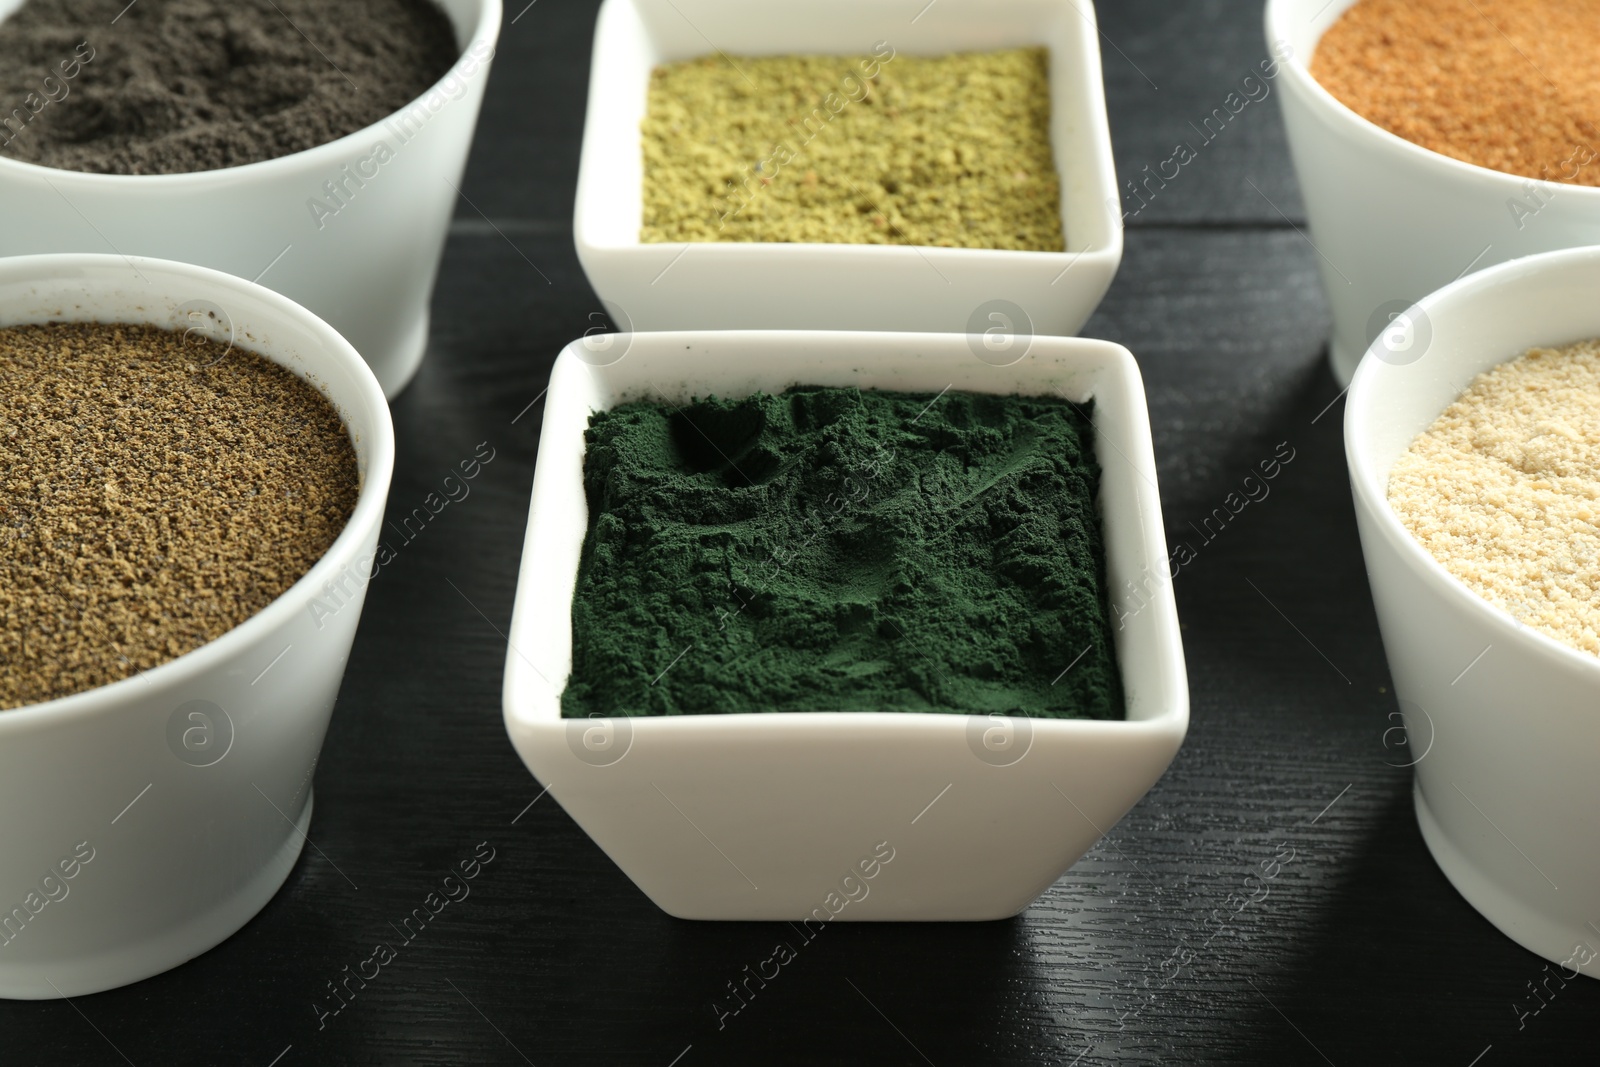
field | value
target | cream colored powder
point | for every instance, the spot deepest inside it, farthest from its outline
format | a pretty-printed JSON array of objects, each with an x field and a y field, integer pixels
[{"x": 1504, "y": 490}]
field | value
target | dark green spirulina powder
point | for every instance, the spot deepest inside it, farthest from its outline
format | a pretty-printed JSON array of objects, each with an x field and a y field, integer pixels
[{"x": 837, "y": 550}]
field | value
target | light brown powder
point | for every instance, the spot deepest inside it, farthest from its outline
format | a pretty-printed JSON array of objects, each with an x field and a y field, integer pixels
[
  {"x": 149, "y": 502},
  {"x": 1511, "y": 85},
  {"x": 1504, "y": 490}
]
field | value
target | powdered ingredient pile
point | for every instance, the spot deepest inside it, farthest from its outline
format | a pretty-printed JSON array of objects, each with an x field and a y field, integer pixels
[
  {"x": 1504, "y": 490},
  {"x": 831, "y": 549},
  {"x": 188, "y": 85},
  {"x": 149, "y": 502},
  {"x": 1511, "y": 85},
  {"x": 950, "y": 151}
]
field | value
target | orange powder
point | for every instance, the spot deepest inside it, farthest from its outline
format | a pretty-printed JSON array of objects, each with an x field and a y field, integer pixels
[{"x": 1511, "y": 85}]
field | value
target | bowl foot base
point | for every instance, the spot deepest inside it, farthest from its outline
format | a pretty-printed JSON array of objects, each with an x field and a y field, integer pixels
[
  {"x": 1535, "y": 931},
  {"x": 132, "y": 963},
  {"x": 1343, "y": 361},
  {"x": 394, "y": 377}
]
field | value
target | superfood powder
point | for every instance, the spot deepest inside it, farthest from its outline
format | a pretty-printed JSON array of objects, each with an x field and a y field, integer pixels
[
  {"x": 1504, "y": 490},
  {"x": 841, "y": 550},
  {"x": 1506, "y": 84},
  {"x": 155, "y": 492},
  {"x": 881, "y": 149},
  {"x": 174, "y": 86}
]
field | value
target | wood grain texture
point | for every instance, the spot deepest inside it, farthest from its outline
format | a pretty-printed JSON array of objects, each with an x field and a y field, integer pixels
[
  {"x": 1359, "y": 951},
  {"x": 1168, "y": 68}
]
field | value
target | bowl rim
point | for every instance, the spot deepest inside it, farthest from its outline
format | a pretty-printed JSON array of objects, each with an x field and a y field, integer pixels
[
  {"x": 1357, "y": 125},
  {"x": 485, "y": 29},
  {"x": 1360, "y": 462},
  {"x": 1102, "y": 170},
  {"x": 378, "y": 440},
  {"x": 1169, "y": 720}
]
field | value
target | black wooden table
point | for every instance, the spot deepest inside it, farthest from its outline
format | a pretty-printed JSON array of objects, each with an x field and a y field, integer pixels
[{"x": 1360, "y": 952}]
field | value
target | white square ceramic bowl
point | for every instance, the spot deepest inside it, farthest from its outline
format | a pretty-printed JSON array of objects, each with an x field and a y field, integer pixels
[
  {"x": 1503, "y": 721},
  {"x": 765, "y": 816},
  {"x": 1394, "y": 221},
  {"x": 746, "y": 285}
]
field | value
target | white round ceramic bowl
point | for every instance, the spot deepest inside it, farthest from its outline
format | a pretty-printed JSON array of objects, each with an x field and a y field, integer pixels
[
  {"x": 368, "y": 268},
  {"x": 1503, "y": 723},
  {"x": 143, "y": 822},
  {"x": 1392, "y": 221}
]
